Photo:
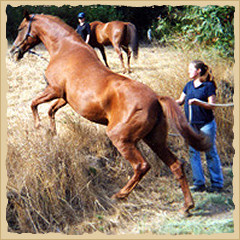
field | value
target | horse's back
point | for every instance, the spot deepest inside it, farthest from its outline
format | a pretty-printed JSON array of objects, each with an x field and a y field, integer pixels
[{"x": 116, "y": 26}]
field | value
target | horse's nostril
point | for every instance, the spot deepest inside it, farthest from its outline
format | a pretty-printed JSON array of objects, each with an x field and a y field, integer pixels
[{"x": 16, "y": 53}]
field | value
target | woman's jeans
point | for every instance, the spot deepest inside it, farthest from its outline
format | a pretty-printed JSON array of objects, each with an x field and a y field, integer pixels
[{"x": 213, "y": 160}]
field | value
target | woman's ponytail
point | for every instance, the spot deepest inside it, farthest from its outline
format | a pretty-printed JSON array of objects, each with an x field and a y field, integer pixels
[{"x": 206, "y": 72}]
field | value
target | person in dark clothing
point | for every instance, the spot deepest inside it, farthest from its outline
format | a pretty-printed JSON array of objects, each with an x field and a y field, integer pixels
[
  {"x": 83, "y": 28},
  {"x": 201, "y": 118}
]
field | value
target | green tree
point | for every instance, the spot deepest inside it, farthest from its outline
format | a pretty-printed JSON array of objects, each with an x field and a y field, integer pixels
[{"x": 210, "y": 26}]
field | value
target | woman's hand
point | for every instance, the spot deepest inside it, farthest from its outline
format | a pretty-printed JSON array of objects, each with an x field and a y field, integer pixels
[
  {"x": 193, "y": 101},
  {"x": 181, "y": 100},
  {"x": 208, "y": 105}
]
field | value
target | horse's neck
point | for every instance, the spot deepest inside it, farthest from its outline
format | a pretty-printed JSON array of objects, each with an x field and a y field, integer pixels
[{"x": 51, "y": 37}]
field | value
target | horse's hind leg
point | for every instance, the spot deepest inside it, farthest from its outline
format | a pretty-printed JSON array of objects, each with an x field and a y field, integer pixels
[
  {"x": 47, "y": 95},
  {"x": 52, "y": 111},
  {"x": 129, "y": 151},
  {"x": 119, "y": 52},
  {"x": 177, "y": 169},
  {"x": 157, "y": 141},
  {"x": 128, "y": 52},
  {"x": 139, "y": 164}
]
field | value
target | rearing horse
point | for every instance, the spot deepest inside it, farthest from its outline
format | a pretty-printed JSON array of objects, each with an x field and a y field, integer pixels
[
  {"x": 130, "y": 110},
  {"x": 119, "y": 35}
]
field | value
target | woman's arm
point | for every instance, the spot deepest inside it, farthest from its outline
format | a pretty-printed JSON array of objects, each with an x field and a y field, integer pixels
[
  {"x": 181, "y": 100},
  {"x": 210, "y": 104}
]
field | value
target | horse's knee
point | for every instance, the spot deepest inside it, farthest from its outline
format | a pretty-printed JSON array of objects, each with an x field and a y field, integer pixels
[{"x": 51, "y": 111}]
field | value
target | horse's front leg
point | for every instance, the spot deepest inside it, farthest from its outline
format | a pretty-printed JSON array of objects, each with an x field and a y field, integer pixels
[
  {"x": 47, "y": 95},
  {"x": 52, "y": 111},
  {"x": 101, "y": 48}
]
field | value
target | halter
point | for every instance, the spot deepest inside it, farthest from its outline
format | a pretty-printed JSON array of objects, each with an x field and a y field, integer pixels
[{"x": 28, "y": 34}]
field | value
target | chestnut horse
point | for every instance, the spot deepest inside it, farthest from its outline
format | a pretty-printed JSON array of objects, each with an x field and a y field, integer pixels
[
  {"x": 119, "y": 35},
  {"x": 130, "y": 110}
]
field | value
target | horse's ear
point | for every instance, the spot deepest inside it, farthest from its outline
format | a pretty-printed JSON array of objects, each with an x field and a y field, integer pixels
[{"x": 26, "y": 14}]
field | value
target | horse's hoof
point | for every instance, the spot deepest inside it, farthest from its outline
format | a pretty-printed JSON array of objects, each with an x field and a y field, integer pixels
[
  {"x": 51, "y": 133},
  {"x": 118, "y": 196},
  {"x": 37, "y": 126},
  {"x": 184, "y": 213},
  {"x": 114, "y": 200}
]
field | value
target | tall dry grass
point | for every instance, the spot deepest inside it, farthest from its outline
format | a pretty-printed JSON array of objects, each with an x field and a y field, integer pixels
[{"x": 64, "y": 183}]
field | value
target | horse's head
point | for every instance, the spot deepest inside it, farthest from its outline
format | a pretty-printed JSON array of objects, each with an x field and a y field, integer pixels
[{"x": 27, "y": 36}]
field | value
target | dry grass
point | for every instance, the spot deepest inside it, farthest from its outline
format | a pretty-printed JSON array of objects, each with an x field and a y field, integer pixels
[{"x": 64, "y": 183}]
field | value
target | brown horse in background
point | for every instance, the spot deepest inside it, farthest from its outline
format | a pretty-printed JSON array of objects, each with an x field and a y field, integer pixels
[
  {"x": 118, "y": 34},
  {"x": 130, "y": 110}
]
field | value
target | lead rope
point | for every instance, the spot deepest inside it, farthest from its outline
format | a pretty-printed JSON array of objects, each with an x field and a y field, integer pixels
[
  {"x": 37, "y": 54},
  {"x": 190, "y": 112},
  {"x": 210, "y": 104},
  {"x": 41, "y": 56}
]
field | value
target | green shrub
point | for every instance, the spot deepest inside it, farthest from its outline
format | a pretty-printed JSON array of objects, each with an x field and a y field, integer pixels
[{"x": 209, "y": 27}]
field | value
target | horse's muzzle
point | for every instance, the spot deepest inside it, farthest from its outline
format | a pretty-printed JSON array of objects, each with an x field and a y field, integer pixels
[{"x": 16, "y": 52}]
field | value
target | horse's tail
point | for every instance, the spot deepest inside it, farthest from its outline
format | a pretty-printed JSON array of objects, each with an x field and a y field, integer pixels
[
  {"x": 173, "y": 112},
  {"x": 133, "y": 42}
]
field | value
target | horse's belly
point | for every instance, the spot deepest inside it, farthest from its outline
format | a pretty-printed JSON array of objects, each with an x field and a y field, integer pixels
[
  {"x": 91, "y": 111},
  {"x": 98, "y": 120},
  {"x": 95, "y": 115}
]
